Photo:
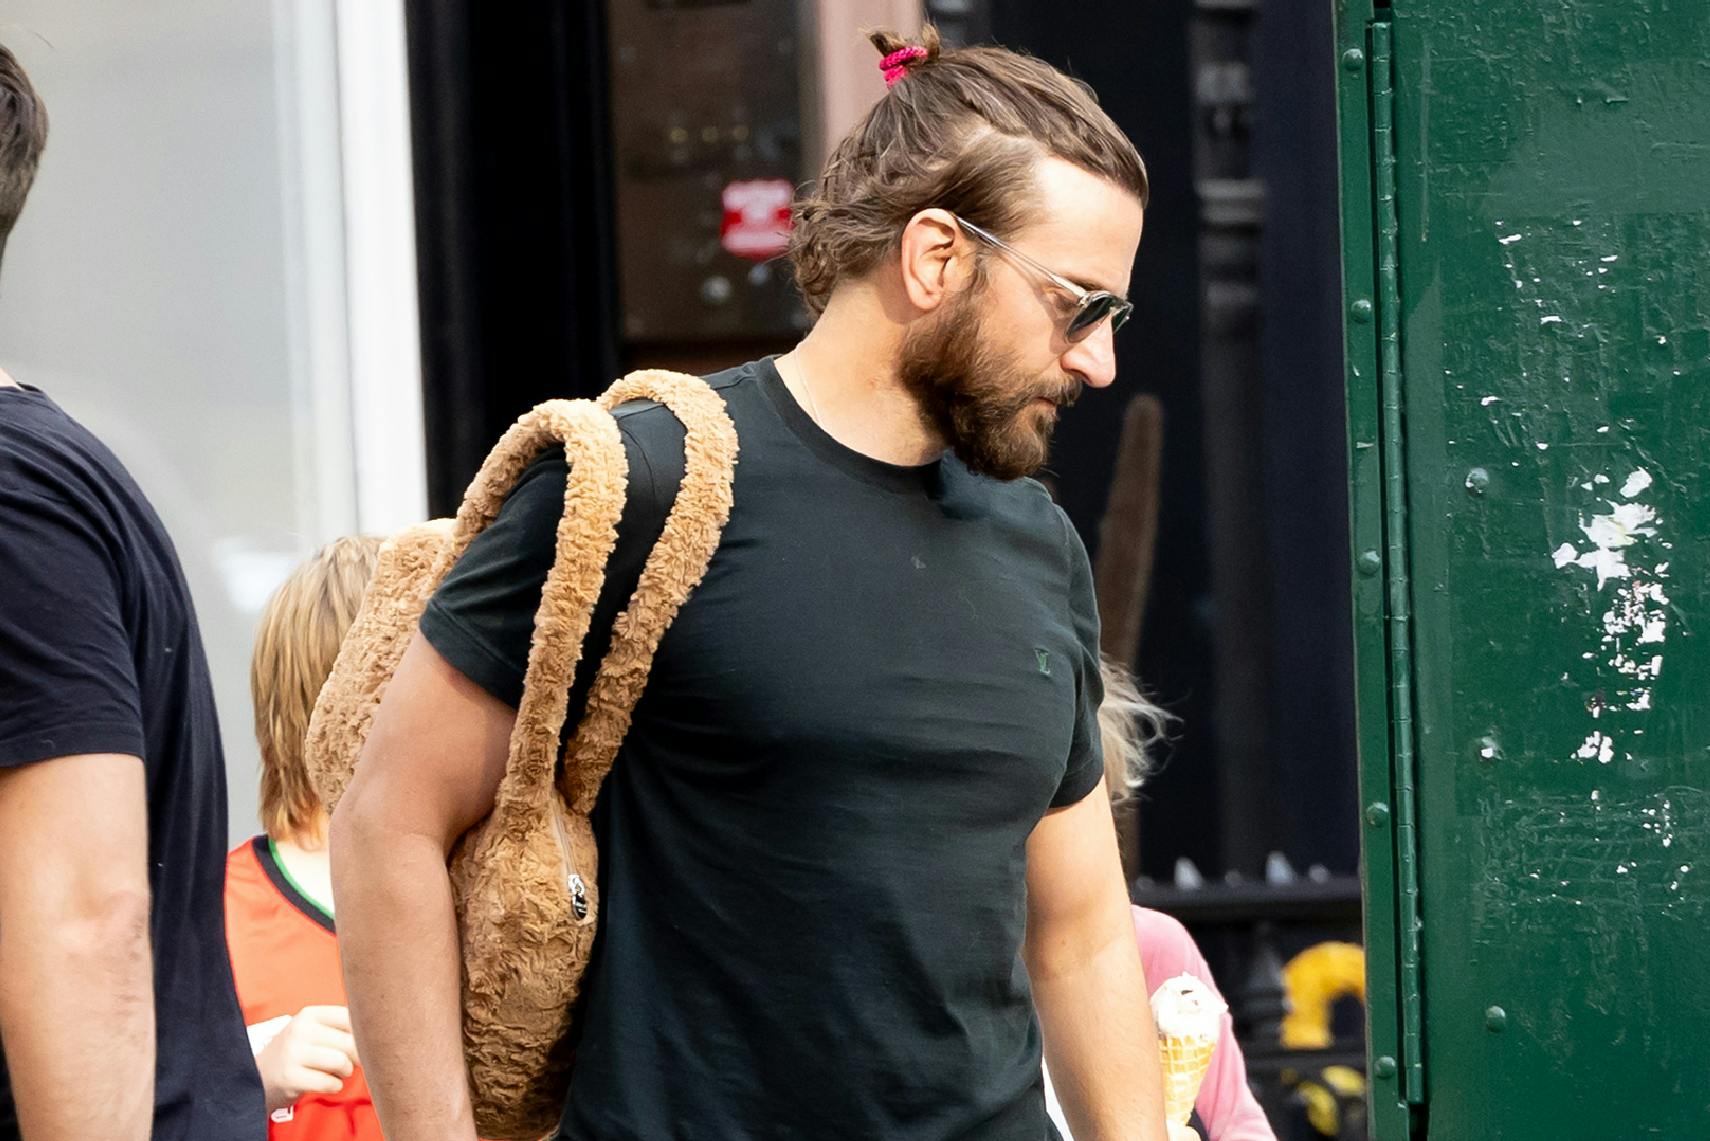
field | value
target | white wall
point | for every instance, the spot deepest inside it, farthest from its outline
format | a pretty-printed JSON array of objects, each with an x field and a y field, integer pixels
[{"x": 182, "y": 281}]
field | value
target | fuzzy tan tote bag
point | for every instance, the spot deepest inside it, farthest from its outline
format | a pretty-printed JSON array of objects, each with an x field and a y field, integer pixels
[{"x": 523, "y": 879}]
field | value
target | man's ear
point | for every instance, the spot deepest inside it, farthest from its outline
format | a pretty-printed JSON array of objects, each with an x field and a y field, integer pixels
[{"x": 931, "y": 272}]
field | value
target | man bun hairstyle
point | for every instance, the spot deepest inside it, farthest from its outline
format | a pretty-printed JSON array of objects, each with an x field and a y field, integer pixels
[
  {"x": 23, "y": 135},
  {"x": 959, "y": 129}
]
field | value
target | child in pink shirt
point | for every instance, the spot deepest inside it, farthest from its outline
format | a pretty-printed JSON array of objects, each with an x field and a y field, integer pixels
[
  {"x": 1128, "y": 723},
  {"x": 1226, "y": 1105}
]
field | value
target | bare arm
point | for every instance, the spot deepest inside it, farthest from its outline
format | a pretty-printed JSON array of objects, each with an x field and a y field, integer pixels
[
  {"x": 429, "y": 772},
  {"x": 76, "y": 975},
  {"x": 1091, "y": 994}
]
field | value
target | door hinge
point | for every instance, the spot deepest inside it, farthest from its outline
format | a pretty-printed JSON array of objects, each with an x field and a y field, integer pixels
[{"x": 1398, "y": 584}]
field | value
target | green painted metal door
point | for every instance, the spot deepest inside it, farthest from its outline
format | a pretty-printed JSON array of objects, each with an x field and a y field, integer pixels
[{"x": 1526, "y": 225}]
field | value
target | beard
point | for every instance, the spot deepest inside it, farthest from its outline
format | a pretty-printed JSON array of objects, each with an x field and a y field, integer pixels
[{"x": 978, "y": 398}]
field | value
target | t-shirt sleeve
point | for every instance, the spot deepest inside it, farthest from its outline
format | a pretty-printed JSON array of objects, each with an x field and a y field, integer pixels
[
  {"x": 1086, "y": 751},
  {"x": 68, "y": 681},
  {"x": 481, "y": 619}
]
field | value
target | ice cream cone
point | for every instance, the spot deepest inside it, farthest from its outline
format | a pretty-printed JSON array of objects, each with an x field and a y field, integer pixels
[
  {"x": 1189, "y": 1017},
  {"x": 1185, "y": 1063}
]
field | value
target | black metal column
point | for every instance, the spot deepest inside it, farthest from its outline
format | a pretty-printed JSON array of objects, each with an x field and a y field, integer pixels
[
  {"x": 1231, "y": 204},
  {"x": 513, "y": 218}
]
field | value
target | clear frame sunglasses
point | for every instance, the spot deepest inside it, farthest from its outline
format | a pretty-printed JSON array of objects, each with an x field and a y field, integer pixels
[{"x": 1091, "y": 305}]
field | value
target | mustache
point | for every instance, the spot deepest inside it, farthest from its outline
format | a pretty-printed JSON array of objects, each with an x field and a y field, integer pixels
[{"x": 1063, "y": 396}]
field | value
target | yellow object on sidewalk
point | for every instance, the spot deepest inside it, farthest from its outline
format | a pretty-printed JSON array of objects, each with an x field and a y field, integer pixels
[{"x": 1313, "y": 981}]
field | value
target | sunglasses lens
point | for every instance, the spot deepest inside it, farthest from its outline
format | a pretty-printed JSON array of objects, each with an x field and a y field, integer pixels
[{"x": 1097, "y": 308}]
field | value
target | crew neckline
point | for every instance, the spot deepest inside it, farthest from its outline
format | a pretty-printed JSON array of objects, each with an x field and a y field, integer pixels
[
  {"x": 926, "y": 477},
  {"x": 273, "y": 865}
]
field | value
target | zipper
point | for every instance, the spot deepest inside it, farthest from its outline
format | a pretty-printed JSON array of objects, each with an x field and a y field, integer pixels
[{"x": 573, "y": 882}]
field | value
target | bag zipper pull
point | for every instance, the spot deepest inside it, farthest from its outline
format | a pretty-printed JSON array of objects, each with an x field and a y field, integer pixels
[{"x": 578, "y": 896}]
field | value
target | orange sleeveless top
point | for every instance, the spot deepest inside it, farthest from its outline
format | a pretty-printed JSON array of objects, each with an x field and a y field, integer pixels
[{"x": 285, "y": 957}]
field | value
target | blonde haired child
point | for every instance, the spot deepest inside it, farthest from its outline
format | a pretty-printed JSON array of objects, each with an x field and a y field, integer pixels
[{"x": 279, "y": 905}]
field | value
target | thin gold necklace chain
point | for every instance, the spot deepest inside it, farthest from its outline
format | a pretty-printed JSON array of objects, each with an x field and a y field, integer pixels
[{"x": 812, "y": 404}]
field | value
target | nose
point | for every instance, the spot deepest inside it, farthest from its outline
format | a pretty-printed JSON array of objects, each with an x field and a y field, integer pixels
[{"x": 1094, "y": 359}]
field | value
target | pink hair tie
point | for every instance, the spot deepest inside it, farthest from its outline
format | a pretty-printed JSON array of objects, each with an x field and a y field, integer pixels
[{"x": 895, "y": 65}]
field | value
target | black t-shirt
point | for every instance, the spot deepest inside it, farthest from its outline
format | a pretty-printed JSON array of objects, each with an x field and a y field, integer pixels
[
  {"x": 813, "y": 844},
  {"x": 99, "y": 653}
]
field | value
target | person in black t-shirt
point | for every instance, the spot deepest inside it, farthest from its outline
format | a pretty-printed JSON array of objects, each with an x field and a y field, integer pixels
[
  {"x": 857, "y": 866},
  {"x": 117, "y": 1014}
]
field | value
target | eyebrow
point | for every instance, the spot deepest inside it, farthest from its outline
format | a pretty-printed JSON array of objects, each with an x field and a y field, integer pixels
[
  {"x": 1091, "y": 287},
  {"x": 1078, "y": 282},
  {"x": 1085, "y": 283}
]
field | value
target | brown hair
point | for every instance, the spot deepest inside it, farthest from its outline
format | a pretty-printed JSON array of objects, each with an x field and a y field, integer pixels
[
  {"x": 23, "y": 134},
  {"x": 962, "y": 130},
  {"x": 295, "y": 644},
  {"x": 1129, "y": 724}
]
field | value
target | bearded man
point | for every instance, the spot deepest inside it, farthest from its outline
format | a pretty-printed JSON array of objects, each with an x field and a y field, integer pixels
[{"x": 857, "y": 863}]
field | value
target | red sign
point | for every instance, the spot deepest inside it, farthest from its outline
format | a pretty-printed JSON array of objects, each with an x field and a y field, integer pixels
[{"x": 757, "y": 218}]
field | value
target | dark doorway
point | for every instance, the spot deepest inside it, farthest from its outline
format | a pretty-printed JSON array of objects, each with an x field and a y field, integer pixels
[{"x": 1297, "y": 756}]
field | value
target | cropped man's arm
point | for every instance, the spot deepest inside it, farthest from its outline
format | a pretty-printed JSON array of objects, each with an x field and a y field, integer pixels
[
  {"x": 429, "y": 772},
  {"x": 1087, "y": 982},
  {"x": 76, "y": 975}
]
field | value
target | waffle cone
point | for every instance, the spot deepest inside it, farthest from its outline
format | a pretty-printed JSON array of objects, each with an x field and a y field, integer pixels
[{"x": 1185, "y": 1063}]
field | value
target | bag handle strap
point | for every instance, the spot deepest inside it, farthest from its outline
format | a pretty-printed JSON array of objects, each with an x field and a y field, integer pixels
[
  {"x": 594, "y": 494},
  {"x": 587, "y": 433},
  {"x": 674, "y": 567}
]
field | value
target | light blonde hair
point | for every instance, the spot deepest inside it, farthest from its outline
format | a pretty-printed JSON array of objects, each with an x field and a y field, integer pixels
[
  {"x": 1129, "y": 725},
  {"x": 295, "y": 645},
  {"x": 963, "y": 130}
]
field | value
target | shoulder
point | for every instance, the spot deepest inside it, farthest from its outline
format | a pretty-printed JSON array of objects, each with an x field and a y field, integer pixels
[
  {"x": 242, "y": 867},
  {"x": 649, "y": 423},
  {"x": 1033, "y": 501},
  {"x": 42, "y": 450},
  {"x": 653, "y": 436},
  {"x": 61, "y": 474},
  {"x": 1024, "y": 502},
  {"x": 1073, "y": 548},
  {"x": 249, "y": 895},
  {"x": 27, "y": 415},
  {"x": 1157, "y": 928},
  {"x": 1027, "y": 507},
  {"x": 35, "y": 430},
  {"x": 653, "y": 445},
  {"x": 1030, "y": 501},
  {"x": 1166, "y": 947}
]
